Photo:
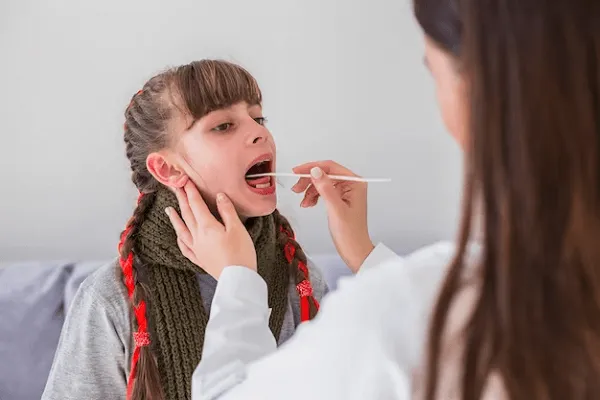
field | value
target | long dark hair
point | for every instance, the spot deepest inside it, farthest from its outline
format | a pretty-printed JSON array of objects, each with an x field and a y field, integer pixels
[{"x": 533, "y": 169}]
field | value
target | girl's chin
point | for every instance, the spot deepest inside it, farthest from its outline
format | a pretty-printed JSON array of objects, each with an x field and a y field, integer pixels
[{"x": 256, "y": 210}]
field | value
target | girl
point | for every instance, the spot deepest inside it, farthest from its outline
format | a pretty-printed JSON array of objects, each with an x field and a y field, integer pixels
[{"x": 136, "y": 327}]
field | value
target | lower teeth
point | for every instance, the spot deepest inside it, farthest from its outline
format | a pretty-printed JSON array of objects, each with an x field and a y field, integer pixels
[{"x": 262, "y": 185}]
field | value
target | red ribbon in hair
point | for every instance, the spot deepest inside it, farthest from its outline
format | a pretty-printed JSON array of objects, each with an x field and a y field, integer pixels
[
  {"x": 304, "y": 288},
  {"x": 141, "y": 337}
]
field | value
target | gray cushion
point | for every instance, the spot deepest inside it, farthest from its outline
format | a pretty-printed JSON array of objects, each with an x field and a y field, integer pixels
[{"x": 33, "y": 300}]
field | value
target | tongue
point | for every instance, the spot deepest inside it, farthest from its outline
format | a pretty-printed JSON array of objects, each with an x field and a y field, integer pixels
[{"x": 258, "y": 181}]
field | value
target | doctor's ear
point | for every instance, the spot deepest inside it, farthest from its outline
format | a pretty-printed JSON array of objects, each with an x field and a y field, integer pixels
[{"x": 166, "y": 171}]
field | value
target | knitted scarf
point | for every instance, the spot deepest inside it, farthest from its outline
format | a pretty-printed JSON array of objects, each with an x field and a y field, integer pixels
[{"x": 177, "y": 318}]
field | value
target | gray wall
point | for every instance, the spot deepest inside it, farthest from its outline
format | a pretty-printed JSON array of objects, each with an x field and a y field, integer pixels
[{"x": 346, "y": 74}]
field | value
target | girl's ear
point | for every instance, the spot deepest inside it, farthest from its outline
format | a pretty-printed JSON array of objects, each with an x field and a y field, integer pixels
[{"x": 166, "y": 172}]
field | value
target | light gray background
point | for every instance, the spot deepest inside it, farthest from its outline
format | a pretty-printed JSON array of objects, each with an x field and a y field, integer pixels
[{"x": 345, "y": 74}]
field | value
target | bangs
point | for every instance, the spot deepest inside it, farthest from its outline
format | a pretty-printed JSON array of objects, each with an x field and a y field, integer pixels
[{"x": 210, "y": 85}]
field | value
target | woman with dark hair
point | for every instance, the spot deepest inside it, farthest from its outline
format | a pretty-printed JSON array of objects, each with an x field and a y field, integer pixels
[{"x": 512, "y": 310}]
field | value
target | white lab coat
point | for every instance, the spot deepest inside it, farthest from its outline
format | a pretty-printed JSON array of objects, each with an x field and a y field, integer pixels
[{"x": 365, "y": 343}]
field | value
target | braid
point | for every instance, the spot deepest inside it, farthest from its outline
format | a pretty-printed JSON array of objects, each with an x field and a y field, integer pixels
[
  {"x": 144, "y": 380},
  {"x": 299, "y": 268}
]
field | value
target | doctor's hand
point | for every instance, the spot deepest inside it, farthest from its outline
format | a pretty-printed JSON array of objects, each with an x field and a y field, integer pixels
[
  {"x": 204, "y": 240},
  {"x": 346, "y": 204}
]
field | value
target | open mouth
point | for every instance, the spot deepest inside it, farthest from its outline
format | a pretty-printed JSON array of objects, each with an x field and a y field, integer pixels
[{"x": 264, "y": 184}]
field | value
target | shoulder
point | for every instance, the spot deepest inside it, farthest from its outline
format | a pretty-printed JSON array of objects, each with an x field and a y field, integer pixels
[
  {"x": 105, "y": 284},
  {"x": 102, "y": 295}
]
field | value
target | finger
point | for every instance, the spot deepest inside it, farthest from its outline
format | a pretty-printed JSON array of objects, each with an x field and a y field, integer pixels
[
  {"x": 305, "y": 168},
  {"x": 313, "y": 202},
  {"x": 181, "y": 229},
  {"x": 301, "y": 185},
  {"x": 227, "y": 212},
  {"x": 310, "y": 202},
  {"x": 328, "y": 166},
  {"x": 327, "y": 190},
  {"x": 198, "y": 206},
  {"x": 309, "y": 196},
  {"x": 186, "y": 211},
  {"x": 187, "y": 251}
]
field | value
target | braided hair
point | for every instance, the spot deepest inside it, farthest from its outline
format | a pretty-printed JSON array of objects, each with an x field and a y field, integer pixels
[
  {"x": 144, "y": 132},
  {"x": 298, "y": 267}
]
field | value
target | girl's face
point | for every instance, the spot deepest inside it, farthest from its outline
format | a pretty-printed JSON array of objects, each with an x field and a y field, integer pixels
[
  {"x": 217, "y": 152},
  {"x": 450, "y": 90}
]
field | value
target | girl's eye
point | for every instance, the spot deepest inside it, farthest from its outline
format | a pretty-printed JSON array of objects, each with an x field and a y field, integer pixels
[
  {"x": 261, "y": 120},
  {"x": 222, "y": 127}
]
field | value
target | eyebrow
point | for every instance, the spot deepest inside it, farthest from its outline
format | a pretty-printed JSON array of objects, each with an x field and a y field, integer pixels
[{"x": 250, "y": 105}]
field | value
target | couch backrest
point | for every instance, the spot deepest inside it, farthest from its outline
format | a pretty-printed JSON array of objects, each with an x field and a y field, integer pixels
[{"x": 34, "y": 298}]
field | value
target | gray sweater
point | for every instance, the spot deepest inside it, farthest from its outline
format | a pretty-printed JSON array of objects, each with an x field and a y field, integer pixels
[{"x": 94, "y": 351}]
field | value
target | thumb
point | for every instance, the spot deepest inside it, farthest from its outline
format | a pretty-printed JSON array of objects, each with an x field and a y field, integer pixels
[
  {"x": 227, "y": 211},
  {"x": 324, "y": 186}
]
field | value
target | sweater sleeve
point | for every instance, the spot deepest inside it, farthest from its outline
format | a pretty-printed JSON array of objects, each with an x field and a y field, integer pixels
[
  {"x": 317, "y": 280},
  {"x": 90, "y": 361}
]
